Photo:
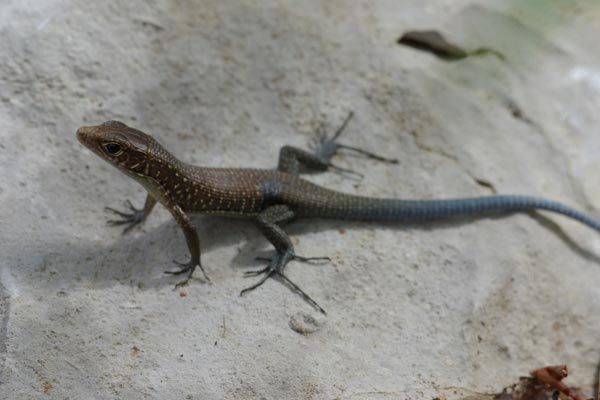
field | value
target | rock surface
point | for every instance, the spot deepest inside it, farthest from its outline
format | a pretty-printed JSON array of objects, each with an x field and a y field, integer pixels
[{"x": 413, "y": 310}]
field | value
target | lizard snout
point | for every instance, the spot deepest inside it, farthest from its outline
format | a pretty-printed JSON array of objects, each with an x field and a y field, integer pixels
[{"x": 83, "y": 134}]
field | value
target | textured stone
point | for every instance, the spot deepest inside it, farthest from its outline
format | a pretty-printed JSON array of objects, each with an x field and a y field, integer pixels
[{"x": 88, "y": 313}]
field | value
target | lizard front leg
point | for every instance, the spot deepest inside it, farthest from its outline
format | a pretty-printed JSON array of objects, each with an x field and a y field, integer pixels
[
  {"x": 133, "y": 218},
  {"x": 193, "y": 243},
  {"x": 268, "y": 222},
  {"x": 293, "y": 159}
]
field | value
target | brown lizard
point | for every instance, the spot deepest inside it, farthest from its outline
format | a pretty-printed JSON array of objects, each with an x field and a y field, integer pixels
[{"x": 270, "y": 197}]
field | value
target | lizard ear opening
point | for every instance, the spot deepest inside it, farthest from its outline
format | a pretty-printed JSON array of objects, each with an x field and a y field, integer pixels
[{"x": 112, "y": 149}]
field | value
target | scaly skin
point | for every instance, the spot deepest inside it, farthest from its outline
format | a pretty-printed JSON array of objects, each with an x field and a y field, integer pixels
[{"x": 270, "y": 197}]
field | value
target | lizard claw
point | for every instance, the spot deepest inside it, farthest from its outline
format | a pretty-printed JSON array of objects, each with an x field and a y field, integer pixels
[
  {"x": 275, "y": 267},
  {"x": 311, "y": 259},
  {"x": 293, "y": 257},
  {"x": 326, "y": 147},
  {"x": 368, "y": 154},
  {"x": 182, "y": 283},
  {"x": 256, "y": 272},
  {"x": 135, "y": 217},
  {"x": 188, "y": 267},
  {"x": 347, "y": 171}
]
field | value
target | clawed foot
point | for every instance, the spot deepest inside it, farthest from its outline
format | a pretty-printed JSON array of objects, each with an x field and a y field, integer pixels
[
  {"x": 294, "y": 257},
  {"x": 275, "y": 267},
  {"x": 131, "y": 219},
  {"x": 188, "y": 267},
  {"x": 327, "y": 147}
]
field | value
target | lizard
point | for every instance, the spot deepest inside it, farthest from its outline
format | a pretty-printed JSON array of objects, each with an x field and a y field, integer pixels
[{"x": 272, "y": 197}]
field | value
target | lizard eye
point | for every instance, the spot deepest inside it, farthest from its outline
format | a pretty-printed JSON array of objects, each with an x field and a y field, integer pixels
[{"x": 113, "y": 149}]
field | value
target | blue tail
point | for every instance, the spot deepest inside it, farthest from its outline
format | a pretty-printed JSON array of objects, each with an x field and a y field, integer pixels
[{"x": 372, "y": 209}]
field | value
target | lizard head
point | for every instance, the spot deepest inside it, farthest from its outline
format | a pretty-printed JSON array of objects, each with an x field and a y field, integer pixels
[{"x": 124, "y": 147}]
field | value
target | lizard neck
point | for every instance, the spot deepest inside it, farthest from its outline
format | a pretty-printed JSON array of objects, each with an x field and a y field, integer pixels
[
  {"x": 159, "y": 172},
  {"x": 172, "y": 181}
]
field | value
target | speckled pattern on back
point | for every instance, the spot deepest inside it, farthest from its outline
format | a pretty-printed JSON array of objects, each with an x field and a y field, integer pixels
[{"x": 247, "y": 192}]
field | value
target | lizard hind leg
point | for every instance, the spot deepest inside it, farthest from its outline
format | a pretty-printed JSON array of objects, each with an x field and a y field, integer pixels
[
  {"x": 327, "y": 147},
  {"x": 294, "y": 160},
  {"x": 267, "y": 222},
  {"x": 275, "y": 269}
]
